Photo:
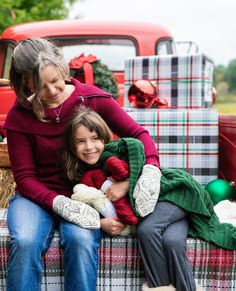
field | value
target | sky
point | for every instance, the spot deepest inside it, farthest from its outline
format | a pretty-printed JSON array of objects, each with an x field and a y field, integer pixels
[{"x": 209, "y": 23}]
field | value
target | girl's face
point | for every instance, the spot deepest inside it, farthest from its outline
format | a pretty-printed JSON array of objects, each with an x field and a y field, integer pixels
[
  {"x": 89, "y": 146},
  {"x": 53, "y": 92}
]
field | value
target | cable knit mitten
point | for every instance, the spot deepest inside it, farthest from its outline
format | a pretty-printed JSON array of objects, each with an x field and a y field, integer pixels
[
  {"x": 146, "y": 191},
  {"x": 119, "y": 169},
  {"x": 95, "y": 198},
  {"x": 99, "y": 201},
  {"x": 76, "y": 212}
]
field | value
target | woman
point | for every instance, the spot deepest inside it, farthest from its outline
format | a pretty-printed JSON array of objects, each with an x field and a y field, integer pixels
[{"x": 45, "y": 99}]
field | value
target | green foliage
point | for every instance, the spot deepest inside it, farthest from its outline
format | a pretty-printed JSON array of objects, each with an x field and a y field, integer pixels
[
  {"x": 225, "y": 83},
  {"x": 103, "y": 78},
  {"x": 219, "y": 74},
  {"x": 225, "y": 78},
  {"x": 222, "y": 88},
  {"x": 20, "y": 11},
  {"x": 231, "y": 76}
]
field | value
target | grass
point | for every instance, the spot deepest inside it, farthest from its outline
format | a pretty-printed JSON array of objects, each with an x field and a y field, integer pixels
[{"x": 226, "y": 104}]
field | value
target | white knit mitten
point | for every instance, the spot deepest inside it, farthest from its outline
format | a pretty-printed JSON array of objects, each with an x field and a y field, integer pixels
[
  {"x": 100, "y": 202},
  {"x": 76, "y": 212},
  {"x": 146, "y": 191},
  {"x": 94, "y": 197}
]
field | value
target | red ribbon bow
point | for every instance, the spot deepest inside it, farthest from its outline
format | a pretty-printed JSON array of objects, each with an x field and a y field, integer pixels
[{"x": 84, "y": 62}]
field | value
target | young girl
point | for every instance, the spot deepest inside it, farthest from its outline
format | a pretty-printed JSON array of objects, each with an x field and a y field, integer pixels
[
  {"x": 85, "y": 138},
  {"x": 88, "y": 144}
]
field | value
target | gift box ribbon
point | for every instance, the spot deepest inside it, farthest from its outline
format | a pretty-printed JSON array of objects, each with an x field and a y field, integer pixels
[{"x": 84, "y": 62}]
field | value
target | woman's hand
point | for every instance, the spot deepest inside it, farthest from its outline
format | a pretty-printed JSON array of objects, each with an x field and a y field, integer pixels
[
  {"x": 117, "y": 190},
  {"x": 112, "y": 225},
  {"x": 76, "y": 212}
]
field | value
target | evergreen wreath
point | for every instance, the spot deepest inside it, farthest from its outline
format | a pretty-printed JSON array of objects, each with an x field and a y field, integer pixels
[{"x": 90, "y": 70}]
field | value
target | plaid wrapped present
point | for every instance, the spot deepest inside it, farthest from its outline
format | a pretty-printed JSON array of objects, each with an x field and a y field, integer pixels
[
  {"x": 120, "y": 266},
  {"x": 185, "y": 139},
  {"x": 185, "y": 81}
]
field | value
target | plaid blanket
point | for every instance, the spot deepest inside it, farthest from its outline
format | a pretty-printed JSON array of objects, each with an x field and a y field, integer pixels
[
  {"x": 185, "y": 81},
  {"x": 120, "y": 268}
]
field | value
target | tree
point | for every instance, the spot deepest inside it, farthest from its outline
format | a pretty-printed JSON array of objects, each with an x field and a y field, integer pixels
[
  {"x": 20, "y": 11},
  {"x": 219, "y": 74},
  {"x": 231, "y": 75}
]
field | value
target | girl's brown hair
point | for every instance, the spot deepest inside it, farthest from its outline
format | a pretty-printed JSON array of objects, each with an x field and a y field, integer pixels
[
  {"x": 94, "y": 122},
  {"x": 29, "y": 58}
]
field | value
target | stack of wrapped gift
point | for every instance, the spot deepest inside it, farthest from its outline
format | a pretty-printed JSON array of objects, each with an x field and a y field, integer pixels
[
  {"x": 185, "y": 81},
  {"x": 180, "y": 120}
]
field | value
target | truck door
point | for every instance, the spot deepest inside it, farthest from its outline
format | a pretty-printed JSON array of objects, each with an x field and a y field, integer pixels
[{"x": 7, "y": 95}]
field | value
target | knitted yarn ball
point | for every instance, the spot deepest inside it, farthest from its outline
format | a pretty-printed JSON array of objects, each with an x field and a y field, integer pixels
[
  {"x": 93, "y": 178},
  {"x": 118, "y": 168}
]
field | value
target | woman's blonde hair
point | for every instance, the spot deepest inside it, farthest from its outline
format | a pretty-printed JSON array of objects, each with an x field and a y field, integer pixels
[
  {"x": 94, "y": 122},
  {"x": 29, "y": 59}
]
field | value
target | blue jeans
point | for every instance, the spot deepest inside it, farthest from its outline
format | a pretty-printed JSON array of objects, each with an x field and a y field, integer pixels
[{"x": 31, "y": 229}]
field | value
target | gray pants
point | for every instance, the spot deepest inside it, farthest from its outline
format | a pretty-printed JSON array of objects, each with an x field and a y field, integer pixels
[{"x": 162, "y": 243}]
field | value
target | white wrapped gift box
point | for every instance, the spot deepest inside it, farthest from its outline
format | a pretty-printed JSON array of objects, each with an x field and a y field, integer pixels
[
  {"x": 185, "y": 139},
  {"x": 185, "y": 81}
]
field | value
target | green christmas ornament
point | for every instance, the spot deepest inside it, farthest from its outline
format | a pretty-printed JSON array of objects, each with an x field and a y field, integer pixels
[{"x": 220, "y": 190}]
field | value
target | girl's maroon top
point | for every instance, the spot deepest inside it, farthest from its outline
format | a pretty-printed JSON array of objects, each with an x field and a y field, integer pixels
[{"x": 34, "y": 146}]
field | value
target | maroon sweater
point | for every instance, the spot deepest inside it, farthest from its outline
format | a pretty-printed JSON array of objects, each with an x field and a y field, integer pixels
[{"x": 34, "y": 146}]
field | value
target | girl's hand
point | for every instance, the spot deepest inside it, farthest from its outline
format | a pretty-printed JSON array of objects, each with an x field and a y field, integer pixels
[
  {"x": 112, "y": 225},
  {"x": 117, "y": 190}
]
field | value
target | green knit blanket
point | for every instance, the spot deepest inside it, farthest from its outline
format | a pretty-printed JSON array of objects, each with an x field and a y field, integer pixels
[
  {"x": 130, "y": 150},
  {"x": 180, "y": 188}
]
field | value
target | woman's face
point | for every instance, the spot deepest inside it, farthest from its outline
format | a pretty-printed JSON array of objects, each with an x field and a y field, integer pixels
[
  {"x": 89, "y": 147},
  {"x": 53, "y": 87}
]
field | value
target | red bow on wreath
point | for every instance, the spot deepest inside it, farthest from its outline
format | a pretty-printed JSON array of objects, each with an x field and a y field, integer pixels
[{"x": 84, "y": 62}]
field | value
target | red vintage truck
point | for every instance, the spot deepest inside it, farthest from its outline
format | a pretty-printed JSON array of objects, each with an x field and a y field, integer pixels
[{"x": 112, "y": 43}]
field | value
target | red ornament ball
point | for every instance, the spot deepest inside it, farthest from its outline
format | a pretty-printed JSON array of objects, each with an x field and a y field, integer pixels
[
  {"x": 161, "y": 103},
  {"x": 142, "y": 94}
]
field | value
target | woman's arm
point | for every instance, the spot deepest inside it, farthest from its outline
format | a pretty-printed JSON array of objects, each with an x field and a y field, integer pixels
[
  {"x": 25, "y": 170},
  {"x": 125, "y": 126}
]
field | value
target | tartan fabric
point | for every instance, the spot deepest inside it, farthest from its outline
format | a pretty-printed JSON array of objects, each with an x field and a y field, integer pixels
[
  {"x": 185, "y": 81},
  {"x": 185, "y": 139},
  {"x": 120, "y": 267}
]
